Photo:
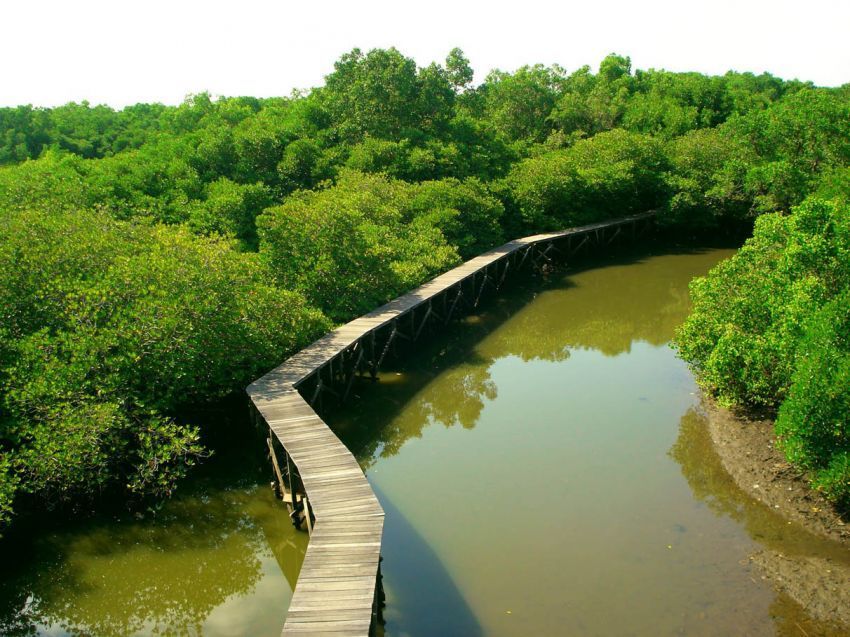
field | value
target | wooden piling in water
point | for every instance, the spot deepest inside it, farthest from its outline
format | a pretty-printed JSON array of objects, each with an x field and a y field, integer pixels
[{"x": 339, "y": 584}]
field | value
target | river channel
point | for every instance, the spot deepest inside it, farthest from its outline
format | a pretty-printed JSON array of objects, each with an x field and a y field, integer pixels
[{"x": 544, "y": 467}]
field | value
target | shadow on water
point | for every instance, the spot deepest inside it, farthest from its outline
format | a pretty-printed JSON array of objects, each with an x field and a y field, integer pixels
[
  {"x": 164, "y": 571},
  {"x": 422, "y": 594},
  {"x": 611, "y": 306},
  {"x": 121, "y": 577}
]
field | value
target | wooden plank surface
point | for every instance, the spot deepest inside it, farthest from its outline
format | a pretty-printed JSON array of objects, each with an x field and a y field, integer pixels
[{"x": 335, "y": 591}]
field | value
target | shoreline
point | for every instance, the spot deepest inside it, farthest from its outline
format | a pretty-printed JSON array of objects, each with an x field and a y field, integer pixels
[{"x": 746, "y": 449}]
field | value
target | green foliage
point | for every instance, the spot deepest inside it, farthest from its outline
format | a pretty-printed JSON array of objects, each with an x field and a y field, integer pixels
[
  {"x": 519, "y": 104},
  {"x": 372, "y": 183},
  {"x": 350, "y": 248},
  {"x": 147, "y": 183},
  {"x": 55, "y": 182},
  {"x": 671, "y": 104},
  {"x": 739, "y": 144},
  {"x": 834, "y": 184},
  {"x": 659, "y": 115},
  {"x": 796, "y": 139},
  {"x": 611, "y": 174},
  {"x": 260, "y": 142},
  {"x": 475, "y": 150},
  {"x": 24, "y": 132},
  {"x": 814, "y": 422},
  {"x": 465, "y": 212},
  {"x": 68, "y": 450},
  {"x": 214, "y": 154},
  {"x": 749, "y": 312},
  {"x": 163, "y": 452},
  {"x": 111, "y": 327},
  {"x": 9, "y": 481},
  {"x": 380, "y": 156},
  {"x": 707, "y": 175},
  {"x": 381, "y": 94},
  {"x": 458, "y": 71},
  {"x": 591, "y": 104},
  {"x": 230, "y": 210},
  {"x": 747, "y": 92},
  {"x": 614, "y": 67},
  {"x": 771, "y": 327},
  {"x": 301, "y": 166},
  {"x": 82, "y": 129}
]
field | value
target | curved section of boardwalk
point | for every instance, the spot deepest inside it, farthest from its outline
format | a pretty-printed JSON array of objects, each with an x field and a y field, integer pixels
[{"x": 335, "y": 592}]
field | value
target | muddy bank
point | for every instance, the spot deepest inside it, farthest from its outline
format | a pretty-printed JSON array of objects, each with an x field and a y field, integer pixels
[
  {"x": 747, "y": 450},
  {"x": 821, "y": 586}
]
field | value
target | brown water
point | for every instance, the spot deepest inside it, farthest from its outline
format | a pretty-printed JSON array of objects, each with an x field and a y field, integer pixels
[
  {"x": 546, "y": 471},
  {"x": 219, "y": 559},
  {"x": 544, "y": 468}
]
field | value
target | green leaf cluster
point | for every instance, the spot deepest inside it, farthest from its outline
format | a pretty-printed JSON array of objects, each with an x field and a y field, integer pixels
[
  {"x": 109, "y": 329},
  {"x": 158, "y": 255},
  {"x": 770, "y": 327},
  {"x": 611, "y": 174},
  {"x": 813, "y": 425},
  {"x": 368, "y": 238}
]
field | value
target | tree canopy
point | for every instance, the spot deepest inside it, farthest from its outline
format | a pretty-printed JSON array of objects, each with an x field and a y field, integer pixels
[{"x": 155, "y": 255}]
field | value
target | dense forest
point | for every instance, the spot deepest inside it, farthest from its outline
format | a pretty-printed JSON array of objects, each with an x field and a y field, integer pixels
[{"x": 156, "y": 257}]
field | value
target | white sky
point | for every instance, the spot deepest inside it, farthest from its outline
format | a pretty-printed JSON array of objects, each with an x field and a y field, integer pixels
[{"x": 121, "y": 52}]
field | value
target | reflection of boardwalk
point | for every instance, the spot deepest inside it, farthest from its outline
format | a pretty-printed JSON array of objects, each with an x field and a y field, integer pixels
[{"x": 335, "y": 592}]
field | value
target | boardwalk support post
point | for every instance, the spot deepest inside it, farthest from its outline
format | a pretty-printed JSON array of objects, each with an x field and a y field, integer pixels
[
  {"x": 352, "y": 374},
  {"x": 344, "y": 548},
  {"x": 424, "y": 320},
  {"x": 454, "y": 303},
  {"x": 281, "y": 486},
  {"x": 387, "y": 346}
]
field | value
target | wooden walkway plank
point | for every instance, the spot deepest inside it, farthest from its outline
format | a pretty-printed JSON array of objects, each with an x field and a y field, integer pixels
[{"x": 335, "y": 592}]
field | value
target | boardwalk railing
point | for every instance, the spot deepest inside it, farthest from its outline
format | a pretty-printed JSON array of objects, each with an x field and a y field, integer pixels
[{"x": 336, "y": 589}]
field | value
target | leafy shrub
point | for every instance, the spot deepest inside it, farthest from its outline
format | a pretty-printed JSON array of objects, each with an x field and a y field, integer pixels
[
  {"x": 54, "y": 182},
  {"x": 9, "y": 481},
  {"x": 795, "y": 139},
  {"x": 349, "y": 248},
  {"x": 300, "y": 166},
  {"x": 110, "y": 327},
  {"x": 466, "y": 213},
  {"x": 609, "y": 175},
  {"x": 814, "y": 422},
  {"x": 155, "y": 182},
  {"x": 230, "y": 209},
  {"x": 834, "y": 184},
  {"x": 708, "y": 170},
  {"x": 749, "y": 312},
  {"x": 378, "y": 155}
]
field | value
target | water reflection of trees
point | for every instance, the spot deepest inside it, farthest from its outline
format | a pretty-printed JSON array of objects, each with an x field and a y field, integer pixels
[
  {"x": 710, "y": 483},
  {"x": 453, "y": 397},
  {"x": 604, "y": 307},
  {"x": 162, "y": 576},
  {"x": 701, "y": 466}
]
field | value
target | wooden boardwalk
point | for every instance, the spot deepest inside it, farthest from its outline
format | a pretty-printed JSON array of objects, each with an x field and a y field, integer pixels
[{"x": 336, "y": 589}]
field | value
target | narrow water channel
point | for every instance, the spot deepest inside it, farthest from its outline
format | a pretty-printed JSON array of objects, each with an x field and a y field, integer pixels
[
  {"x": 546, "y": 471},
  {"x": 544, "y": 468}
]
